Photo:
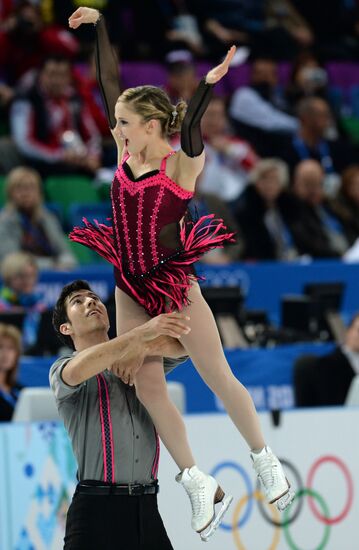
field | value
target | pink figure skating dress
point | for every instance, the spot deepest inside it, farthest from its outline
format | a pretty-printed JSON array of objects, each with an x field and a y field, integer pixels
[{"x": 153, "y": 254}]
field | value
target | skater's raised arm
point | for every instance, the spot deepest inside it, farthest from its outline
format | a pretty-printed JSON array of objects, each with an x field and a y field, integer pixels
[
  {"x": 107, "y": 63},
  {"x": 107, "y": 71},
  {"x": 191, "y": 155}
]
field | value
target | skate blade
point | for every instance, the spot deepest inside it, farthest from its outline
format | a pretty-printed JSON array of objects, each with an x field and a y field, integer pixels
[
  {"x": 213, "y": 526},
  {"x": 285, "y": 501}
]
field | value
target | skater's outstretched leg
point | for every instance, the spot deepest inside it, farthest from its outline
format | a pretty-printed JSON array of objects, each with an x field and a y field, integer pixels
[{"x": 204, "y": 346}]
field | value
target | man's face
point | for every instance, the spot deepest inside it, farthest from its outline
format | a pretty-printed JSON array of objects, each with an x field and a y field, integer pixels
[
  {"x": 264, "y": 71},
  {"x": 352, "y": 336},
  {"x": 55, "y": 78},
  {"x": 86, "y": 314},
  {"x": 308, "y": 185},
  {"x": 214, "y": 121},
  {"x": 318, "y": 118},
  {"x": 182, "y": 78}
]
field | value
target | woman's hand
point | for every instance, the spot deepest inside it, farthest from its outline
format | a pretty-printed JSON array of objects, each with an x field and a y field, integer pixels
[
  {"x": 83, "y": 15},
  {"x": 214, "y": 75}
]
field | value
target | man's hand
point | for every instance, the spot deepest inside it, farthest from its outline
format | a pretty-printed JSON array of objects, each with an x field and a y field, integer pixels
[
  {"x": 127, "y": 367},
  {"x": 166, "y": 324},
  {"x": 83, "y": 15},
  {"x": 147, "y": 340},
  {"x": 166, "y": 346}
]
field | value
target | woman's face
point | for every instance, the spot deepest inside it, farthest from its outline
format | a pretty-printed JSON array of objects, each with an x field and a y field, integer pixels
[
  {"x": 26, "y": 194},
  {"x": 131, "y": 128},
  {"x": 268, "y": 185},
  {"x": 24, "y": 281},
  {"x": 8, "y": 354}
]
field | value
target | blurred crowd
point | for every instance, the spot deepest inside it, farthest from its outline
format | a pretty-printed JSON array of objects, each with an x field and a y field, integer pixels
[
  {"x": 282, "y": 164},
  {"x": 282, "y": 142}
]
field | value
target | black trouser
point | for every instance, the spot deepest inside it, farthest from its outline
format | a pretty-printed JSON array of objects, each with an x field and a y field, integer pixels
[{"x": 115, "y": 522}]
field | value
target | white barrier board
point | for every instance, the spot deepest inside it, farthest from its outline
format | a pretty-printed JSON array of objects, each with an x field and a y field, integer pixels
[{"x": 320, "y": 448}]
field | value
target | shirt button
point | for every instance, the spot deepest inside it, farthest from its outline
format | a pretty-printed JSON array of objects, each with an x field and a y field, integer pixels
[
  {"x": 137, "y": 461},
  {"x": 137, "y": 437}
]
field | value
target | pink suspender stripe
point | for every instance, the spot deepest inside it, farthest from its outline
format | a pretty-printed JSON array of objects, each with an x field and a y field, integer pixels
[
  {"x": 106, "y": 429},
  {"x": 164, "y": 161},
  {"x": 110, "y": 426},
  {"x": 157, "y": 457},
  {"x": 125, "y": 157}
]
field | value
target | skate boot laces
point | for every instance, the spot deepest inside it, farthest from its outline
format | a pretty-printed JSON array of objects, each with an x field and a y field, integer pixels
[
  {"x": 267, "y": 468},
  {"x": 197, "y": 497},
  {"x": 276, "y": 485}
]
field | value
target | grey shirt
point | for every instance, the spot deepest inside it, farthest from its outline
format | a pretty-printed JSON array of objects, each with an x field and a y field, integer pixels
[{"x": 135, "y": 443}]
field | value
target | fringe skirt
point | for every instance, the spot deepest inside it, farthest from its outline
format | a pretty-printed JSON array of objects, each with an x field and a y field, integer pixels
[{"x": 164, "y": 288}]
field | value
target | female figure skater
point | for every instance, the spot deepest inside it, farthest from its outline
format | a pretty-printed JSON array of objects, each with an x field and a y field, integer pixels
[{"x": 153, "y": 251}]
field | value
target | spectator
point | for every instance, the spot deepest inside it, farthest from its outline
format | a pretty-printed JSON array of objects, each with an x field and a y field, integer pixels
[
  {"x": 228, "y": 159},
  {"x": 18, "y": 293},
  {"x": 10, "y": 351},
  {"x": 258, "y": 110},
  {"x": 85, "y": 81},
  {"x": 346, "y": 205},
  {"x": 326, "y": 380},
  {"x": 183, "y": 26},
  {"x": 203, "y": 204},
  {"x": 271, "y": 26},
  {"x": 27, "y": 225},
  {"x": 6, "y": 7},
  {"x": 139, "y": 27},
  {"x": 51, "y": 124},
  {"x": 25, "y": 41},
  {"x": 320, "y": 233},
  {"x": 266, "y": 212},
  {"x": 333, "y": 29},
  {"x": 182, "y": 80},
  {"x": 307, "y": 78},
  {"x": 311, "y": 142}
]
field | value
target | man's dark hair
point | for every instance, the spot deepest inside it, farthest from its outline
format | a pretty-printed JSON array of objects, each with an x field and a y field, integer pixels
[
  {"x": 305, "y": 105},
  {"x": 59, "y": 315}
]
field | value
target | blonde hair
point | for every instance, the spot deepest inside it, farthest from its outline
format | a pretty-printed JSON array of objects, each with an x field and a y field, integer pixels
[
  {"x": 14, "y": 263},
  {"x": 267, "y": 165},
  {"x": 17, "y": 176},
  {"x": 151, "y": 103},
  {"x": 13, "y": 333}
]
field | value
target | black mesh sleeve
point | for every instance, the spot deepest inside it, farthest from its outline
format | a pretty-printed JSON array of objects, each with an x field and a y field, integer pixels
[
  {"x": 191, "y": 137},
  {"x": 107, "y": 71}
]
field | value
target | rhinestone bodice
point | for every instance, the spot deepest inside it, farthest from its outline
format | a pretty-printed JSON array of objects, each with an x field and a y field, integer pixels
[{"x": 146, "y": 217}]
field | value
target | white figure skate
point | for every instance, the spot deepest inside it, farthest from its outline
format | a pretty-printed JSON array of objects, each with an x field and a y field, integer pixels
[
  {"x": 271, "y": 474},
  {"x": 204, "y": 493}
]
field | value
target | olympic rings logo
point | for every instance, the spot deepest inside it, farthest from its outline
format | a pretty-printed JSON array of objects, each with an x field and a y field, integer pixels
[{"x": 244, "y": 508}]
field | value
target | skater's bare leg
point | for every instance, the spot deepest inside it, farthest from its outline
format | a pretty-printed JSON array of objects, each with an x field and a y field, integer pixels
[
  {"x": 204, "y": 346},
  {"x": 151, "y": 388}
]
